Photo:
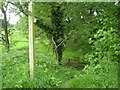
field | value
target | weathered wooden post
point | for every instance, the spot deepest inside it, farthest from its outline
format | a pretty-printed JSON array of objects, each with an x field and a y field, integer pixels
[{"x": 31, "y": 40}]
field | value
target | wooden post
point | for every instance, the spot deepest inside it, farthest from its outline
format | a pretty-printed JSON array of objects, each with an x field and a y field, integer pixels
[
  {"x": 0, "y": 65},
  {"x": 31, "y": 40},
  {"x": 1, "y": 16}
]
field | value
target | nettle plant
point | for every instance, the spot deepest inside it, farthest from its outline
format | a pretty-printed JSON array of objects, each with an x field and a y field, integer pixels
[{"x": 106, "y": 49}]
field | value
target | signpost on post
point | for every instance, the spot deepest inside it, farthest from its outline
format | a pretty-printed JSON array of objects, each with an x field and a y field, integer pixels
[{"x": 31, "y": 40}]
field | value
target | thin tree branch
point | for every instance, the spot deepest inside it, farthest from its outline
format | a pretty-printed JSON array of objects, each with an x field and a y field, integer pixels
[
  {"x": 39, "y": 34},
  {"x": 62, "y": 42},
  {"x": 55, "y": 48},
  {"x": 18, "y": 5},
  {"x": 58, "y": 45},
  {"x": 38, "y": 22}
]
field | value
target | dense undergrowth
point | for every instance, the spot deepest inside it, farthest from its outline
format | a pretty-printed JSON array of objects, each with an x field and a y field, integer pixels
[
  {"x": 48, "y": 73},
  {"x": 101, "y": 72}
]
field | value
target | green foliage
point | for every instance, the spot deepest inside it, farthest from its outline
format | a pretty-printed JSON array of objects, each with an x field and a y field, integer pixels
[
  {"x": 48, "y": 73},
  {"x": 79, "y": 82},
  {"x": 14, "y": 69},
  {"x": 93, "y": 39},
  {"x": 103, "y": 59},
  {"x": 22, "y": 25},
  {"x": 89, "y": 81},
  {"x": 103, "y": 62}
]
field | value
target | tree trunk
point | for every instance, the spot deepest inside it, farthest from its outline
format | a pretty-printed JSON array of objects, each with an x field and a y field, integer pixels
[
  {"x": 57, "y": 32},
  {"x": 6, "y": 35},
  {"x": 5, "y": 27},
  {"x": 59, "y": 51}
]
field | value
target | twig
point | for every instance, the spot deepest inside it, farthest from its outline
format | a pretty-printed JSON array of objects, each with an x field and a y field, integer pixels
[
  {"x": 62, "y": 42},
  {"x": 39, "y": 34},
  {"x": 18, "y": 5},
  {"x": 55, "y": 48},
  {"x": 58, "y": 45}
]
